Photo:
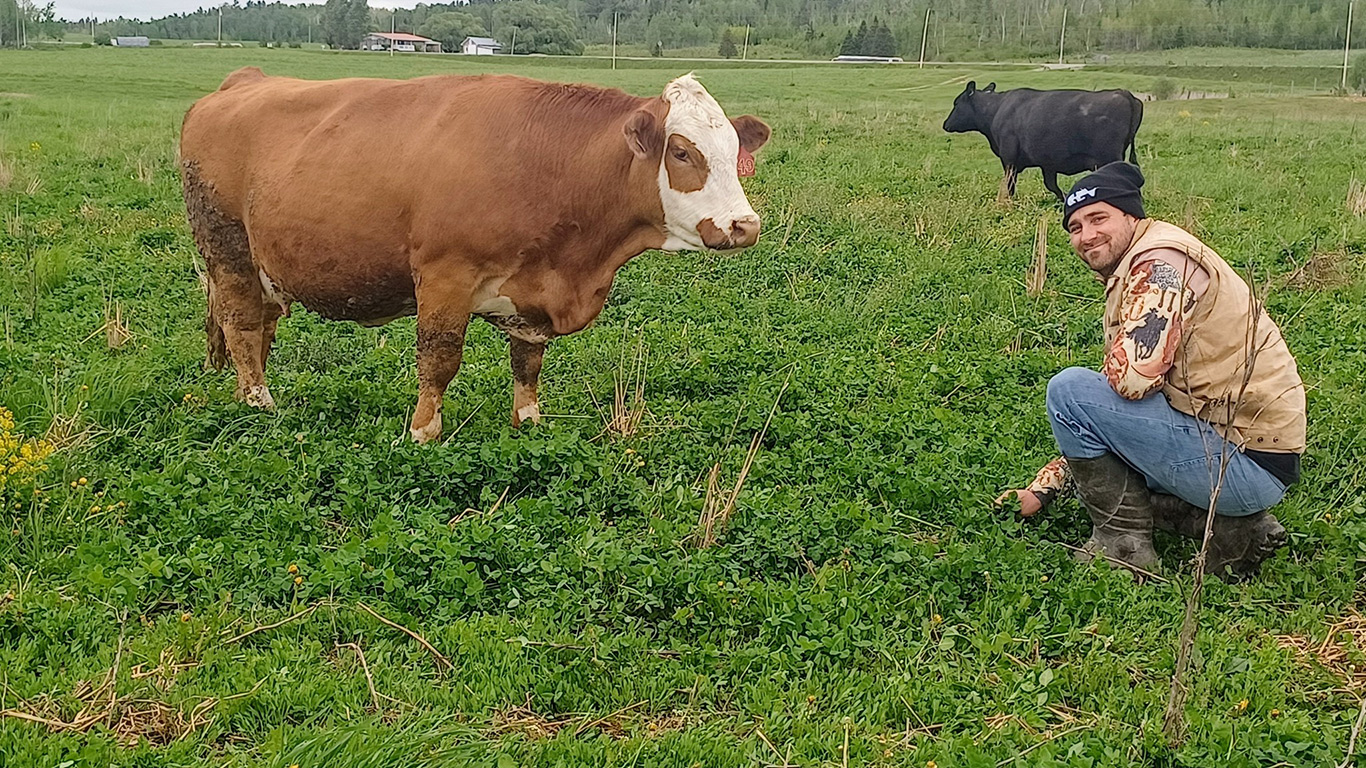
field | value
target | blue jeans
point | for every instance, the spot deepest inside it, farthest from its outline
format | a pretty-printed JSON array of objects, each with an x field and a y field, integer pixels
[{"x": 1177, "y": 453}]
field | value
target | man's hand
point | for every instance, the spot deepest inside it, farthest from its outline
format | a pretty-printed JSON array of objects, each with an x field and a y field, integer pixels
[{"x": 1029, "y": 502}]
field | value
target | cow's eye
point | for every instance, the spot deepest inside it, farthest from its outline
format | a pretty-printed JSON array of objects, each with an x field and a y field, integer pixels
[{"x": 680, "y": 154}]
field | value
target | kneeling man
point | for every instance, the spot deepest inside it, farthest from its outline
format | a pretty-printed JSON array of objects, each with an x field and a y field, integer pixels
[{"x": 1196, "y": 374}]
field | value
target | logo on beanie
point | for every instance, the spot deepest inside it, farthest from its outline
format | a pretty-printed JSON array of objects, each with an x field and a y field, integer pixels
[{"x": 1079, "y": 195}]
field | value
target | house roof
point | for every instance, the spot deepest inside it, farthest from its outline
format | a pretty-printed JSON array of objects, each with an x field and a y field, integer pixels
[
  {"x": 482, "y": 41},
  {"x": 403, "y": 37}
]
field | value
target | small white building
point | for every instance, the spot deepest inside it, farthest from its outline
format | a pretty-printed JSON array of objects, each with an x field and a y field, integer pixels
[
  {"x": 399, "y": 41},
  {"x": 480, "y": 46},
  {"x": 131, "y": 41}
]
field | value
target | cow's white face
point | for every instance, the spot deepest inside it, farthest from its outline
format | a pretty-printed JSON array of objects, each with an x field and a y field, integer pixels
[{"x": 705, "y": 207}]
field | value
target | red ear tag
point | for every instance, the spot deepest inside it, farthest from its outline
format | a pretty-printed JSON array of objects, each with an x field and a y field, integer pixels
[{"x": 745, "y": 165}]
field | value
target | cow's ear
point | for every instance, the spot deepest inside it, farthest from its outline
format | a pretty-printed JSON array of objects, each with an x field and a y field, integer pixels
[
  {"x": 644, "y": 134},
  {"x": 972, "y": 86},
  {"x": 752, "y": 131},
  {"x": 990, "y": 88}
]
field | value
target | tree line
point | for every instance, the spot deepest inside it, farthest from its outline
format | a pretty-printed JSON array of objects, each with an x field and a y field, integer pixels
[{"x": 950, "y": 29}]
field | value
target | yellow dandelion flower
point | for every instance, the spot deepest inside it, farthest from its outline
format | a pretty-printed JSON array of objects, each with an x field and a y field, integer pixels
[
  {"x": 936, "y": 619},
  {"x": 293, "y": 568},
  {"x": 35, "y": 147},
  {"x": 1242, "y": 705},
  {"x": 82, "y": 481},
  {"x": 185, "y": 616},
  {"x": 298, "y": 580}
]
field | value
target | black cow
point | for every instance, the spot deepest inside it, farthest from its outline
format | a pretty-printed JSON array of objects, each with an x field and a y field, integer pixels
[{"x": 1065, "y": 131}]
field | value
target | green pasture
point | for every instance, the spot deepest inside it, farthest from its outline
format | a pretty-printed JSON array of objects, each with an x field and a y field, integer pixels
[{"x": 865, "y": 605}]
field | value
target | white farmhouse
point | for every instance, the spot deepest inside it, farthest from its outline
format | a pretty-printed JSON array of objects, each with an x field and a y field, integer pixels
[{"x": 481, "y": 46}]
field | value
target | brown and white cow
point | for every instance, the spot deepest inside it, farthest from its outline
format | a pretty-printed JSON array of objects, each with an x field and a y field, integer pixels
[{"x": 447, "y": 197}]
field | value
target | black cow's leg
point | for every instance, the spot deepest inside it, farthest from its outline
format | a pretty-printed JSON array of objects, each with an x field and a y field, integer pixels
[
  {"x": 1050, "y": 180},
  {"x": 526, "y": 371},
  {"x": 442, "y": 317}
]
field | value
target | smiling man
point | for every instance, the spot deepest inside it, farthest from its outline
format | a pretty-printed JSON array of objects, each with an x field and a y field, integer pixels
[{"x": 1196, "y": 376}]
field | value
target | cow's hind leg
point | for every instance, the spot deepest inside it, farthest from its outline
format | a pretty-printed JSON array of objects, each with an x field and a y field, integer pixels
[
  {"x": 526, "y": 372},
  {"x": 236, "y": 300},
  {"x": 443, "y": 315},
  {"x": 1050, "y": 180}
]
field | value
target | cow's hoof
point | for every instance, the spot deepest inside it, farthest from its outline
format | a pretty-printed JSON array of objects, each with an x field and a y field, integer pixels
[
  {"x": 428, "y": 432},
  {"x": 530, "y": 412},
  {"x": 259, "y": 397}
]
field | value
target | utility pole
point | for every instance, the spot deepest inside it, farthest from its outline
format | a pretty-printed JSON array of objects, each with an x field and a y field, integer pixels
[
  {"x": 220, "y": 26},
  {"x": 924, "y": 36},
  {"x": 614, "y": 39},
  {"x": 744, "y": 53},
  {"x": 1062, "y": 38},
  {"x": 1347, "y": 44},
  {"x": 392, "y": 14},
  {"x": 513, "y": 50}
]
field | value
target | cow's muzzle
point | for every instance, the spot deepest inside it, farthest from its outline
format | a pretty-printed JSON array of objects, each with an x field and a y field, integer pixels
[{"x": 743, "y": 233}]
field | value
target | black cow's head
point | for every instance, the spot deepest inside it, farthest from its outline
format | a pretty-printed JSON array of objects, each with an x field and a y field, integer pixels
[{"x": 964, "y": 116}]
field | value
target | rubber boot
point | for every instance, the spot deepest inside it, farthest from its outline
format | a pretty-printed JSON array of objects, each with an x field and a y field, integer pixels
[
  {"x": 1238, "y": 546},
  {"x": 1120, "y": 505}
]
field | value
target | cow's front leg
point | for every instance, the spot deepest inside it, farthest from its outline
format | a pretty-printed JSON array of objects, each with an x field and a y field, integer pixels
[
  {"x": 1050, "y": 180},
  {"x": 526, "y": 371},
  {"x": 441, "y": 322}
]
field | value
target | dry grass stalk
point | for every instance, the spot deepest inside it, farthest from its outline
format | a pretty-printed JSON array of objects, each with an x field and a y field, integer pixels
[
  {"x": 1356, "y": 197},
  {"x": 164, "y": 674},
  {"x": 144, "y": 170},
  {"x": 115, "y": 330},
  {"x": 1324, "y": 270},
  {"x": 34, "y": 184},
  {"x": 276, "y": 625},
  {"x": 628, "y": 392},
  {"x": 717, "y": 505},
  {"x": 68, "y": 431},
  {"x": 443, "y": 663},
  {"x": 375, "y": 695},
  {"x": 1038, "y": 270},
  {"x": 6, "y": 174},
  {"x": 525, "y": 721},
  {"x": 1335, "y": 653}
]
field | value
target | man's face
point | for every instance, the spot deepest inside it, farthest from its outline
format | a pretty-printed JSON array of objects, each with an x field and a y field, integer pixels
[{"x": 1100, "y": 234}]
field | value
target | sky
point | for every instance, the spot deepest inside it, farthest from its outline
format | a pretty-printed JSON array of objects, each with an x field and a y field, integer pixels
[{"x": 152, "y": 9}]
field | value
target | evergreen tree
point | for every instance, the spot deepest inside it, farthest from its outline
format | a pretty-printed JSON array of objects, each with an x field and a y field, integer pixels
[
  {"x": 847, "y": 47},
  {"x": 727, "y": 48},
  {"x": 861, "y": 39}
]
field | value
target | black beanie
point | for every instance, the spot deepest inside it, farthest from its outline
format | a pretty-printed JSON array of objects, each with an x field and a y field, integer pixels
[{"x": 1116, "y": 183}]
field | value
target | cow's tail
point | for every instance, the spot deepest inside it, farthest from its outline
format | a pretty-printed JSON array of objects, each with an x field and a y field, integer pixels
[{"x": 1134, "y": 122}]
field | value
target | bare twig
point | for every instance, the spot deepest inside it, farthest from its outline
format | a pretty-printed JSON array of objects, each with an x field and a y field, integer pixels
[
  {"x": 1173, "y": 720},
  {"x": 1352, "y": 740},
  {"x": 440, "y": 659},
  {"x": 276, "y": 625}
]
